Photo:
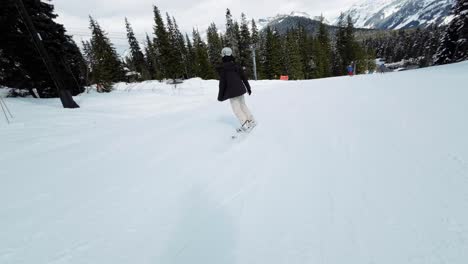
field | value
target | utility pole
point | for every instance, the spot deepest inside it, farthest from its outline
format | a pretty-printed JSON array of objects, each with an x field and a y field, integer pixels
[
  {"x": 252, "y": 47},
  {"x": 64, "y": 94}
]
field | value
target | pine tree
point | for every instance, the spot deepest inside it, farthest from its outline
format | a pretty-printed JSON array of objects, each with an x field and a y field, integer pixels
[
  {"x": 283, "y": 50},
  {"x": 272, "y": 65},
  {"x": 203, "y": 67},
  {"x": 351, "y": 44},
  {"x": 432, "y": 44},
  {"x": 348, "y": 51},
  {"x": 137, "y": 60},
  {"x": 294, "y": 66},
  {"x": 174, "y": 54},
  {"x": 21, "y": 63},
  {"x": 306, "y": 50},
  {"x": 361, "y": 61},
  {"x": 245, "y": 57},
  {"x": 222, "y": 37},
  {"x": 232, "y": 39},
  {"x": 323, "y": 52},
  {"x": 370, "y": 60},
  {"x": 337, "y": 62},
  {"x": 190, "y": 58},
  {"x": 255, "y": 38},
  {"x": 214, "y": 45},
  {"x": 75, "y": 70},
  {"x": 162, "y": 45},
  {"x": 454, "y": 44},
  {"x": 237, "y": 36},
  {"x": 151, "y": 58},
  {"x": 181, "y": 49},
  {"x": 339, "y": 56},
  {"x": 107, "y": 66}
]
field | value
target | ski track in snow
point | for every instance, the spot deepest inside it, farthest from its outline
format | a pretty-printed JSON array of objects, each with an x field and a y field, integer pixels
[{"x": 369, "y": 169}]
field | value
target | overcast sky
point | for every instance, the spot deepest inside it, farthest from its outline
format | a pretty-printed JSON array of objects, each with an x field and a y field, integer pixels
[{"x": 199, "y": 13}]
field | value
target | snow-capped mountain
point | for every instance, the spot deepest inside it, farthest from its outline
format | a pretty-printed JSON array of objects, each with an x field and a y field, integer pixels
[
  {"x": 264, "y": 22},
  {"x": 400, "y": 14},
  {"x": 283, "y": 22}
]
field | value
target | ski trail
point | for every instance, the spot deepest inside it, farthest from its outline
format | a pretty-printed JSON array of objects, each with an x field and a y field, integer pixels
[{"x": 364, "y": 170}]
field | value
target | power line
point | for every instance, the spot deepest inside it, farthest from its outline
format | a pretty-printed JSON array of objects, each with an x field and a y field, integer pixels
[{"x": 107, "y": 32}]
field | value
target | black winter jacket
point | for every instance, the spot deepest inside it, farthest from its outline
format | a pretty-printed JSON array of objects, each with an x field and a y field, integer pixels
[{"x": 232, "y": 81}]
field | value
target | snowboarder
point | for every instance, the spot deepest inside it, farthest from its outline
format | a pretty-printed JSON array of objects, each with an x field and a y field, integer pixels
[
  {"x": 350, "y": 70},
  {"x": 382, "y": 68},
  {"x": 233, "y": 84}
]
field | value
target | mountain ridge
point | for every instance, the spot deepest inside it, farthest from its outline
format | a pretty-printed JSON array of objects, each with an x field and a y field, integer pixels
[{"x": 399, "y": 14}]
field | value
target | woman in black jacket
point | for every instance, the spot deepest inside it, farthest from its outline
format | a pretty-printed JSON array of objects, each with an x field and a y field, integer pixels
[{"x": 233, "y": 84}]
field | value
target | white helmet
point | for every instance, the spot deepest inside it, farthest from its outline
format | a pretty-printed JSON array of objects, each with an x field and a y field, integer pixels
[{"x": 226, "y": 52}]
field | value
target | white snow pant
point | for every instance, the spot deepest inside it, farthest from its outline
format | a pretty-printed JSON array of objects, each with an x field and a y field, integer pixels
[{"x": 240, "y": 109}]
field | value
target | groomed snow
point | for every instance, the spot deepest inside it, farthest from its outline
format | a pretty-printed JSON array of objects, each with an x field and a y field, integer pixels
[{"x": 370, "y": 169}]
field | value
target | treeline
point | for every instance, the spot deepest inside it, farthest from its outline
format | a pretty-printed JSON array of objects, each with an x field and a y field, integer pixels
[
  {"x": 302, "y": 56},
  {"x": 169, "y": 54},
  {"x": 297, "y": 53},
  {"x": 415, "y": 45}
]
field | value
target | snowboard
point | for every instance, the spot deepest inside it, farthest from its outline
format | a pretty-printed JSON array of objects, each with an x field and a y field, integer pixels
[{"x": 241, "y": 132}]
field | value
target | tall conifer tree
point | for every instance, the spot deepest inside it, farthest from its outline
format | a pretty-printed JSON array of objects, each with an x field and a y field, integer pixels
[
  {"x": 107, "y": 65},
  {"x": 454, "y": 44},
  {"x": 214, "y": 45},
  {"x": 245, "y": 57},
  {"x": 232, "y": 39},
  {"x": 162, "y": 44},
  {"x": 137, "y": 60}
]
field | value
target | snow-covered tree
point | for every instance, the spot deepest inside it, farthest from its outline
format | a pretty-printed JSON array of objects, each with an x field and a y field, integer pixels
[{"x": 454, "y": 45}]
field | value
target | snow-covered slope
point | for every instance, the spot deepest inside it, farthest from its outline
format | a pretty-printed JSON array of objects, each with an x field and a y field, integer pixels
[
  {"x": 397, "y": 14},
  {"x": 371, "y": 169}
]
